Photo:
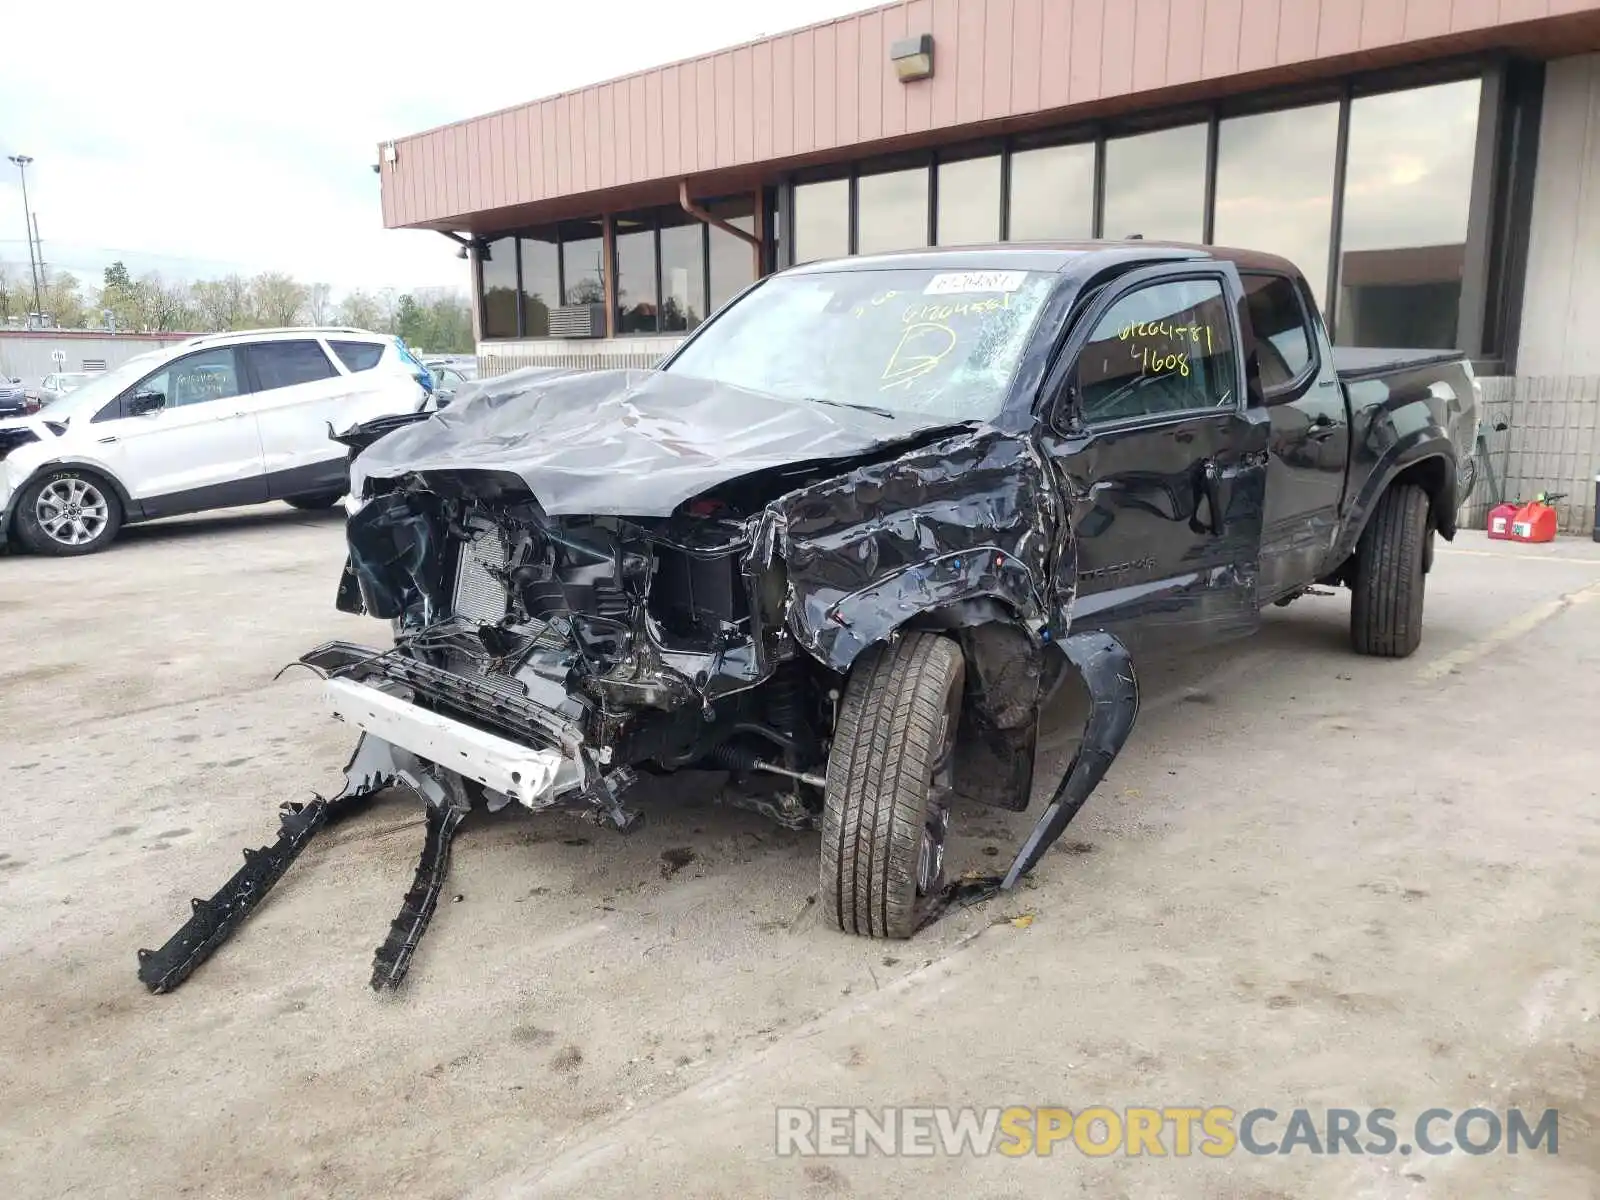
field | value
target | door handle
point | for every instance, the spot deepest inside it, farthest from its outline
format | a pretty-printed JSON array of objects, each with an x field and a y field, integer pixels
[
  {"x": 1211, "y": 484},
  {"x": 1322, "y": 426},
  {"x": 106, "y": 440}
]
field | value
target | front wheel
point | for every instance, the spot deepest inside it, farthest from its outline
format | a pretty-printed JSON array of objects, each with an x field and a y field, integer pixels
[
  {"x": 1390, "y": 573},
  {"x": 68, "y": 512},
  {"x": 886, "y": 809}
]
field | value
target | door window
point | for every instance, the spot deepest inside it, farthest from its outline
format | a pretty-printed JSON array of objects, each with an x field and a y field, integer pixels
[
  {"x": 284, "y": 364},
  {"x": 1283, "y": 344},
  {"x": 208, "y": 375},
  {"x": 1165, "y": 348}
]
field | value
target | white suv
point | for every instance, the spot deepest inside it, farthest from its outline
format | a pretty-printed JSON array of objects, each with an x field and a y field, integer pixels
[{"x": 212, "y": 422}]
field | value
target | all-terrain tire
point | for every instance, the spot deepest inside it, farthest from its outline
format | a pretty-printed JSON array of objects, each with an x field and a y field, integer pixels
[
  {"x": 889, "y": 786},
  {"x": 1390, "y": 575},
  {"x": 317, "y": 503},
  {"x": 90, "y": 524}
]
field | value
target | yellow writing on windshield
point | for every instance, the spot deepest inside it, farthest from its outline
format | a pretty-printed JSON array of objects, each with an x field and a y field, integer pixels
[
  {"x": 877, "y": 301},
  {"x": 943, "y": 312},
  {"x": 921, "y": 348}
]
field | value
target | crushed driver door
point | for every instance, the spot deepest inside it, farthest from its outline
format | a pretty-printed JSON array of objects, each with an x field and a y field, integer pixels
[{"x": 1161, "y": 459}]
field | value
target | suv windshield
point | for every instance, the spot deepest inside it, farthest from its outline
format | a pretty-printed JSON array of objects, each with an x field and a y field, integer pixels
[{"x": 944, "y": 343}]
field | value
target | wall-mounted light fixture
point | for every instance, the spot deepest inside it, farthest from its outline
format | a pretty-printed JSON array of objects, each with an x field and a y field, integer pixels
[{"x": 912, "y": 57}]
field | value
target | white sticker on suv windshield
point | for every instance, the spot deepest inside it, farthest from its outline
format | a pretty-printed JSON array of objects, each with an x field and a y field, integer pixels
[{"x": 954, "y": 283}]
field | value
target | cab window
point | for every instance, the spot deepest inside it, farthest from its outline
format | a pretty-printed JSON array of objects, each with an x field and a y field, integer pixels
[
  {"x": 1283, "y": 343},
  {"x": 1162, "y": 349}
]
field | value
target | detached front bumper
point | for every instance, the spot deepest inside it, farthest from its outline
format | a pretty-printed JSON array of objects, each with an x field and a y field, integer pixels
[
  {"x": 534, "y": 777},
  {"x": 509, "y": 744}
]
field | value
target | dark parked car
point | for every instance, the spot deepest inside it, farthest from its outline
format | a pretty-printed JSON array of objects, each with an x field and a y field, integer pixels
[
  {"x": 14, "y": 399},
  {"x": 849, "y": 537}
]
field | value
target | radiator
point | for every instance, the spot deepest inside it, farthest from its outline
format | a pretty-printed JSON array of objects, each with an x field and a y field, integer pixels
[{"x": 480, "y": 595}]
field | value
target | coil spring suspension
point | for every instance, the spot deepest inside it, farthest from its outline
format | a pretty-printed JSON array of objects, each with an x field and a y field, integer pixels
[{"x": 786, "y": 702}]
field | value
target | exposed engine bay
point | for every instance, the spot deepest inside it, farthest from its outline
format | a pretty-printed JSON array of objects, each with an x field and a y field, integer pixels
[
  {"x": 641, "y": 640},
  {"x": 587, "y": 579}
]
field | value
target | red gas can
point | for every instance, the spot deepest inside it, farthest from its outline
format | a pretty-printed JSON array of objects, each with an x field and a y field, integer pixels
[
  {"x": 1500, "y": 518},
  {"x": 1535, "y": 522}
]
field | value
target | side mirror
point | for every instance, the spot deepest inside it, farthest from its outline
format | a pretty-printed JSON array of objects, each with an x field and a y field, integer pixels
[{"x": 144, "y": 403}]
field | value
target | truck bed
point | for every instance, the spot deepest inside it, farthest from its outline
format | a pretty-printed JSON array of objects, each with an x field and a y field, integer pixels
[{"x": 1361, "y": 362}]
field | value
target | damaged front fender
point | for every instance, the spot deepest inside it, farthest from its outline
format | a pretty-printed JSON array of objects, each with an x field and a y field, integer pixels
[{"x": 951, "y": 535}]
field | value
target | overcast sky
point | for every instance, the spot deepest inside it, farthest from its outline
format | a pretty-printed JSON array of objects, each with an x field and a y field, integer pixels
[{"x": 184, "y": 138}]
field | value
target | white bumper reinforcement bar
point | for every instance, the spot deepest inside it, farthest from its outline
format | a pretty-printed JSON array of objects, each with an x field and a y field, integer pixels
[{"x": 529, "y": 776}]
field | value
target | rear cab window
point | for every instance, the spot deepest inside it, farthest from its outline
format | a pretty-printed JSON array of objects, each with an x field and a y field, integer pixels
[
  {"x": 358, "y": 356},
  {"x": 287, "y": 363},
  {"x": 1283, "y": 336}
]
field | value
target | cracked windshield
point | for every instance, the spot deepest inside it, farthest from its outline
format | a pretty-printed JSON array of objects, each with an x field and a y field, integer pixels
[{"x": 917, "y": 342}]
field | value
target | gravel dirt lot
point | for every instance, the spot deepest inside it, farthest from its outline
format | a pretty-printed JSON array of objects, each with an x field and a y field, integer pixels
[{"x": 1311, "y": 879}]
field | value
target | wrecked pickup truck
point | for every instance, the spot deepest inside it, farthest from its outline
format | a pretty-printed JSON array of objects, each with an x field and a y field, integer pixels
[{"x": 849, "y": 537}]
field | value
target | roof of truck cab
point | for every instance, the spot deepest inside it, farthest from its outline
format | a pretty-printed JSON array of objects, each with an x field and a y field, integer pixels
[{"x": 1064, "y": 256}]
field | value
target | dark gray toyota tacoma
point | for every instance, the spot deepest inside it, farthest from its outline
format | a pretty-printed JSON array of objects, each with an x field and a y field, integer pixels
[{"x": 849, "y": 536}]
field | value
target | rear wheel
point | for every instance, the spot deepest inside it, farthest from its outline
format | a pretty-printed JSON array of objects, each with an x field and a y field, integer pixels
[
  {"x": 886, "y": 811},
  {"x": 68, "y": 512},
  {"x": 320, "y": 502},
  {"x": 1390, "y": 573}
]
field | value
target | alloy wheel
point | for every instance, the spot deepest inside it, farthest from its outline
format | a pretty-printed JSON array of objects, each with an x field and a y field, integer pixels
[{"x": 71, "y": 511}]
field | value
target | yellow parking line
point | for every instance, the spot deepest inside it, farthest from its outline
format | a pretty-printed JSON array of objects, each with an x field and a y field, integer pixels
[{"x": 1528, "y": 621}]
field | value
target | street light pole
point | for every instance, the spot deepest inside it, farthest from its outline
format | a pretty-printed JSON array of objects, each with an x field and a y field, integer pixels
[{"x": 22, "y": 161}]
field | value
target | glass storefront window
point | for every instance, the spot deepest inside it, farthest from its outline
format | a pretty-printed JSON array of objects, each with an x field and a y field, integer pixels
[
  {"x": 969, "y": 201},
  {"x": 541, "y": 283},
  {"x": 636, "y": 274},
  {"x": 732, "y": 260},
  {"x": 821, "y": 220},
  {"x": 583, "y": 250},
  {"x": 1408, "y": 185},
  {"x": 499, "y": 311},
  {"x": 1052, "y": 192},
  {"x": 892, "y": 211},
  {"x": 1156, "y": 185},
  {"x": 1275, "y": 186},
  {"x": 683, "y": 280}
]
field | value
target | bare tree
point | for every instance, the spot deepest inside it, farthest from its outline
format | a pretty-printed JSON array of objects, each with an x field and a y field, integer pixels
[
  {"x": 277, "y": 299},
  {"x": 162, "y": 306},
  {"x": 62, "y": 300},
  {"x": 361, "y": 310},
  {"x": 319, "y": 304},
  {"x": 10, "y": 299},
  {"x": 221, "y": 304}
]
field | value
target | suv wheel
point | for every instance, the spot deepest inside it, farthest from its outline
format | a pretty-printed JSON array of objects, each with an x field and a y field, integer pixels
[
  {"x": 886, "y": 810},
  {"x": 67, "y": 512}
]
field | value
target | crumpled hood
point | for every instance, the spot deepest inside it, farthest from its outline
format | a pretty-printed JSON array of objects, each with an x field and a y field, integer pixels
[{"x": 625, "y": 442}]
